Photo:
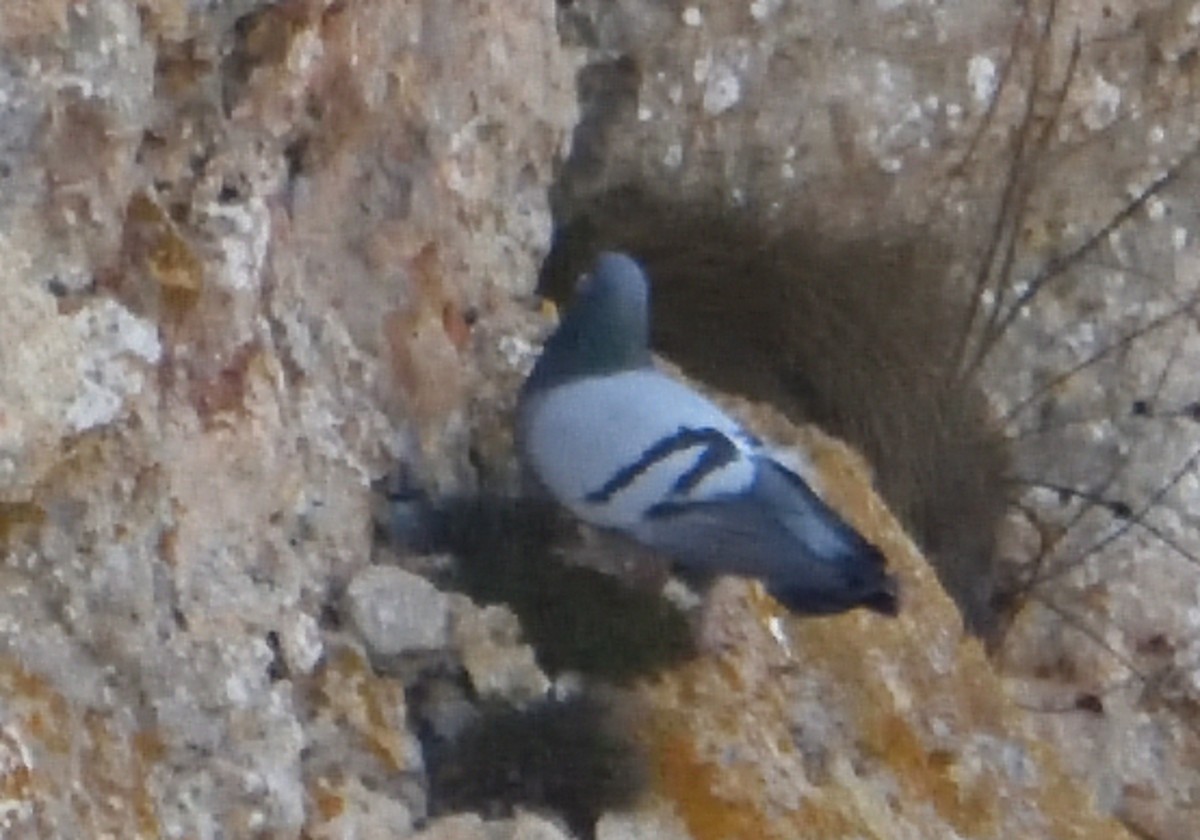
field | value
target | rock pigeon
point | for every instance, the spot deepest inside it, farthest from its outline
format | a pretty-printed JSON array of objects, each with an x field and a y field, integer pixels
[{"x": 626, "y": 447}]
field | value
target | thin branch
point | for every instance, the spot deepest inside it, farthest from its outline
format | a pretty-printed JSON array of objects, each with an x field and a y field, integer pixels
[
  {"x": 1134, "y": 520},
  {"x": 1091, "y": 633},
  {"x": 1122, "y": 342},
  {"x": 1001, "y": 222},
  {"x": 1118, "y": 509},
  {"x": 994, "y": 328},
  {"x": 1057, "y": 265}
]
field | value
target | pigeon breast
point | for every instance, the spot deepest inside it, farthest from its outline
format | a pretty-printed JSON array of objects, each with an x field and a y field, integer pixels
[{"x": 617, "y": 448}]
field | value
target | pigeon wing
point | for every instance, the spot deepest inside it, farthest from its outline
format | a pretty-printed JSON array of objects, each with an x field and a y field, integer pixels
[
  {"x": 781, "y": 532},
  {"x": 614, "y": 448}
]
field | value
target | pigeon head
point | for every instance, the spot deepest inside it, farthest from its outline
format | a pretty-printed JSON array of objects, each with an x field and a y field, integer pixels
[{"x": 606, "y": 329}]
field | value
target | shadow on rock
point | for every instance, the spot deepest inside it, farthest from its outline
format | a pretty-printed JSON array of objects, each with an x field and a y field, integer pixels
[{"x": 576, "y": 618}]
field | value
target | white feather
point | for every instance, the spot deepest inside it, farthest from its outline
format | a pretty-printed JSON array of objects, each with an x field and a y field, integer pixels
[{"x": 581, "y": 434}]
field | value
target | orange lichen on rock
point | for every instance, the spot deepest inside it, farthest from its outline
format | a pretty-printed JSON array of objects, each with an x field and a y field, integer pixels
[
  {"x": 70, "y": 764},
  {"x": 155, "y": 241},
  {"x": 371, "y": 706},
  {"x": 16, "y": 775},
  {"x": 160, "y": 274},
  {"x": 225, "y": 391},
  {"x": 929, "y": 776},
  {"x": 46, "y": 713},
  {"x": 693, "y": 786},
  {"x": 425, "y": 339},
  {"x": 117, "y": 776},
  {"x": 17, "y": 516},
  {"x": 330, "y": 804},
  {"x": 24, "y": 20}
]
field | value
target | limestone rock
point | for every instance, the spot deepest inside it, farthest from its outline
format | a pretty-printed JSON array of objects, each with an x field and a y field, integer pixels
[
  {"x": 249, "y": 249},
  {"x": 464, "y": 827},
  {"x": 397, "y": 611},
  {"x": 650, "y": 823},
  {"x": 532, "y": 827},
  {"x": 469, "y": 827},
  {"x": 499, "y": 665},
  {"x": 350, "y": 810}
]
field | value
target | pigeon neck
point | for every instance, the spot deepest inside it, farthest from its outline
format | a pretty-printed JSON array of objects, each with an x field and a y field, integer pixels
[{"x": 593, "y": 343}]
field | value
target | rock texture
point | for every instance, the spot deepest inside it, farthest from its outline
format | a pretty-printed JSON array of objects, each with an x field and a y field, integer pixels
[
  {"x": 396, "y": 611},
  {"x": 255, "y": 255},
  {"x": 244, "y": 246}
]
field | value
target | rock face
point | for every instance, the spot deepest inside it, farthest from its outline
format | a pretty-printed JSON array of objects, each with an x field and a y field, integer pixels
[
  {"x": 244, "y": 245},
  {"x": 255, "y": 255},
  {"x": 855, "y": 726}
]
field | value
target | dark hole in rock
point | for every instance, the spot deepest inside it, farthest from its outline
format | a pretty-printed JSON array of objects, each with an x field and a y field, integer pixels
[{"x": 575, "y": 617}]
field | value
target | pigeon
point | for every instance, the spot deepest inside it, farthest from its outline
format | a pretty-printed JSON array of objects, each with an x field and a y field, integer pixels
[{"x": 627, "y": 448}]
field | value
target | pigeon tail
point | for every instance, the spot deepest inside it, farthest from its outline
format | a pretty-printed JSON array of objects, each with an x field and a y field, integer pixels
[
  {"x": 853, "y": 571},
  {"x": 879, "y": 594}
]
